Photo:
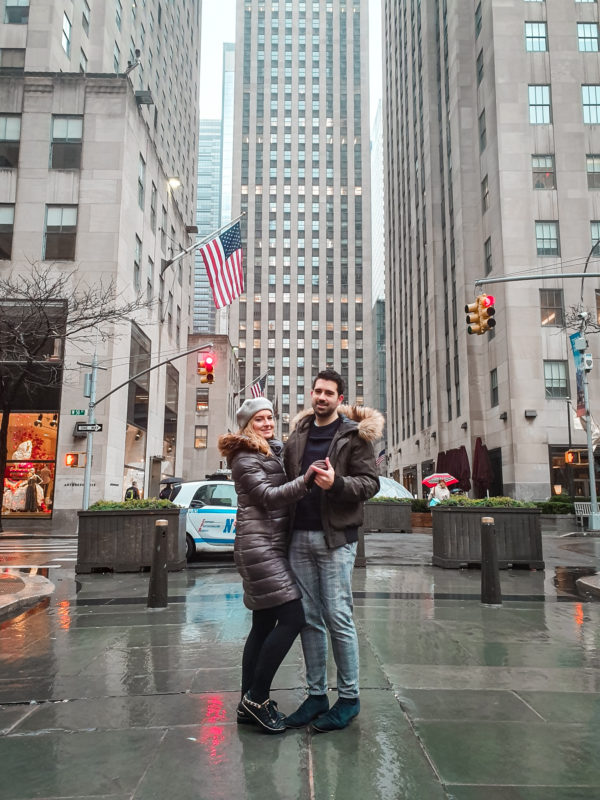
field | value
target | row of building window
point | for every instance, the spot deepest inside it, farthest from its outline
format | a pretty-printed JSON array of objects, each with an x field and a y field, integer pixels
[
  {"x": 556, "y": 381},
  {"x": 60, "y": 232},
  {"x": 65, "y": 141},
  {"x": 536, "y": 37}
]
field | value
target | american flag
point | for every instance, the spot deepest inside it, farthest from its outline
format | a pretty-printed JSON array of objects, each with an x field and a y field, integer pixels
[
  {"x": 223, "y": 261},
  {"x": 258, "y": 387},
  {"x": 380, "y": 458}
]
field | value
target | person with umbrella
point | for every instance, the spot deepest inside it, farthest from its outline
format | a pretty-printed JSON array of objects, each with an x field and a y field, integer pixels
[{"x": 438, "y": 483}]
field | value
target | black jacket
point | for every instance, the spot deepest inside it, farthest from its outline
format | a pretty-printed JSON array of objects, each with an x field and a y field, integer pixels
[
  {"x": 352, "y": 457},
  {"x": 262, "y": 522}
]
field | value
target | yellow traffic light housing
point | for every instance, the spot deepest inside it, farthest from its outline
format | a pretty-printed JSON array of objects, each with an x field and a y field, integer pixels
[
  {"x": 472, "y": 310},
  {"x": 206, "y": 367},
  {"x": 480, "y": 314}
]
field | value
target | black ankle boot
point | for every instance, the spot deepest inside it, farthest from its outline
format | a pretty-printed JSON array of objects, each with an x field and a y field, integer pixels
[{"x": 265, "y": 714}]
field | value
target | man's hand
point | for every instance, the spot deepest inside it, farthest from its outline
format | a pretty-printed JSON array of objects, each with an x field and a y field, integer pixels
[{"x": 324, "y": 477}]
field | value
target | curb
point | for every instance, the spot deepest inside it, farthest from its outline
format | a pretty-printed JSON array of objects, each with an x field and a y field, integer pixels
[
  {"x": 10, "y": 535},
  {"x": 36, "y": 588},
  {"x": 589, "y": 586}
]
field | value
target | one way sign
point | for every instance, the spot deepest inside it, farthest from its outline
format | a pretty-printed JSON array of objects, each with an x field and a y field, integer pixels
[{"x": 88, "y": 427}]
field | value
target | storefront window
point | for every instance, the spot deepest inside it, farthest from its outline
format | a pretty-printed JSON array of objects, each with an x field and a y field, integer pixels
[
  {"x": 570, "y": 474},
  {"x": 28, "y": 488}
]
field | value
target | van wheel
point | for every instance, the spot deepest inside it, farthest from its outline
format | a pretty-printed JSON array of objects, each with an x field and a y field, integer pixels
[{"x": 190, "y": 547}]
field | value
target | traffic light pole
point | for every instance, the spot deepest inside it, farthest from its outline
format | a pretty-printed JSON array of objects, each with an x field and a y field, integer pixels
[
  {"x": 594, "y": 518},
  {"x": 87, "y": 475}
]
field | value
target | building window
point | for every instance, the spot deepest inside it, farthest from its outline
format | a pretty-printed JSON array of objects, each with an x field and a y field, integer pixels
[
  {"x": 536, "y": 37},
  {"x": 556, "y": 379},
  {"x": 201, "y": 437},
  {"x": 118, "y": 13},
  {"x": 65, "y": 147},
  {"x": 482, "y": 132},
  {"x": 141, "y": 182},
  {"x": 479, "y": 67},
  {"x": 10, "y": 135},
  {"x": 494, "y": 388},
  {"x": 66, "y": 34},
  {"x": 137, "y": 260},
  {"x": 7, "y": 218},
  {"x": 595, "y": 237},
  {"x": 16, "y": 12},
  {"x": 85, "y": 18},
  {"x": 116, "y": 58},
  {"x": 83, "y": 61},
  {"x": 598, "y": 306},
  {"x": 153, "y": 207},
  {"x": 202, "y": 398},
  {"x": 478, "y": 20},
  {"x": 587, "y": 37},
  {"x": 487, "y": 248},
  {"x": 542, "y": 168},
  {"x": 546, "y": 238},
  {"x": 552, "y": 307},
  {"x": 539, "y": 105},
  {"x": 12, "y": 58},
  {"x": 485, "y": 195},
  {"x": 591, "y": 104},
  {"x": 60, "y": 233},
  {"x": 150, "y": 281},
  {"x": 592, "y": 166}
]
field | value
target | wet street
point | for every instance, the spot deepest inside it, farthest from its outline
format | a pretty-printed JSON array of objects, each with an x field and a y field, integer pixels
[{"x": 101, "y": 698}]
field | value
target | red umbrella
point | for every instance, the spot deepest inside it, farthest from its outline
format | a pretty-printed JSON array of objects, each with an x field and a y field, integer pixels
[{"x": 432, "y": 480}]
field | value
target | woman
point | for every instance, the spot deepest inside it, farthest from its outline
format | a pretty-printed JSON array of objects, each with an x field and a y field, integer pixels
[
  {"x": 260, "y": 553},
  {"x": 438, "y": 493}
]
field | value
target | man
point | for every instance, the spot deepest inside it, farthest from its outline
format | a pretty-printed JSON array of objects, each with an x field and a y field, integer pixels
[
  {"x": 324, "y": 541},
  {"x": 133, "y": 493}
]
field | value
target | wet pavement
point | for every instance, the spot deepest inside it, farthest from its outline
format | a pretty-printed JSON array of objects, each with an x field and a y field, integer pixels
[{"x": 102, "y": 698}]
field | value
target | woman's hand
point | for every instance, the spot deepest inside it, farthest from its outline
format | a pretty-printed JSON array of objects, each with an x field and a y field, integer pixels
[{"x": 310, "y": 474}]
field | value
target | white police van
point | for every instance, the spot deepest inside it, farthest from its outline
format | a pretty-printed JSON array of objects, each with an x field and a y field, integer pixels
[{"x": 212, "y": 506}]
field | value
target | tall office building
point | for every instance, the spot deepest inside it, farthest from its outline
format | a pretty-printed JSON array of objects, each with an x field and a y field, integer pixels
[
  {"x": 227, "y": 116},
  {"x": 208, "y": 217},
  {"x": 491, "y": 116},
  {"x": 98, "y": 148},
  {"x": 302, "y": 126},
  {"x": 378, "y": 262}
]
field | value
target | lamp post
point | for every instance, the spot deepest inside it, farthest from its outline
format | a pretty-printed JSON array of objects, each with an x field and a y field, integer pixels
[{"x": 569, "y": 465}]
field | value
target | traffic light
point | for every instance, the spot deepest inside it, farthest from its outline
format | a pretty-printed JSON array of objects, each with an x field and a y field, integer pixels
[
  {"x": 206, "y": 367},
  {"x": 569, "y": 457},
  {"x": 480, "y": 314},
  {"x": 71, "y": 459}
]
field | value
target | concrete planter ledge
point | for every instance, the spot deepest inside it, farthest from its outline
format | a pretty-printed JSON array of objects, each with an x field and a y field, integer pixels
[
  {"x": 389, "y": 517},
  {"x": 457, "y": 536}
]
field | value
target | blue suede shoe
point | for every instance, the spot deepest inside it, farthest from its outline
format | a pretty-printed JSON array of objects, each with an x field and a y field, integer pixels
[
  {"x": 311, "y": 708},
  {"x": 339, "y": 715}
]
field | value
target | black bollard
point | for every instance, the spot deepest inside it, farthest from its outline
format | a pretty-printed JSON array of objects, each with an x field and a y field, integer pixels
[
  {"x": 361, "y": 558},
  {"x": 158, "y": 589},
  {"x": 491, "y": 594}
]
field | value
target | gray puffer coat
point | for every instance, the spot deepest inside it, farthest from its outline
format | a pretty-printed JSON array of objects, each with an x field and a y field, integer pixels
[{"x": 262, "y": 526}]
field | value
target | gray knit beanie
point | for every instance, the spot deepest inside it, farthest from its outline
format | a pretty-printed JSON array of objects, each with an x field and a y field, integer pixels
[{"x": 250, "y": 407}]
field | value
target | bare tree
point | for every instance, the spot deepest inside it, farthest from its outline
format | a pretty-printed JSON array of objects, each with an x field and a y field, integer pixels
[{"x": 40, "y": 310}]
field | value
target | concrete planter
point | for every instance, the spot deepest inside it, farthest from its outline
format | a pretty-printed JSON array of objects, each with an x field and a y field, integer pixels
[
  {"x": 390, "y": 517},
  {"x": 457, "y": 536},
  {"x": 122, "y": 541},
  {"x": 558, "y": 523}
]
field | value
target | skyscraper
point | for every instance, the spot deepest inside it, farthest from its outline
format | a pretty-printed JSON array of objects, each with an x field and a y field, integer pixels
[
  {"x": 491, "y": 143},
  {"x": 302, "y": 177}
]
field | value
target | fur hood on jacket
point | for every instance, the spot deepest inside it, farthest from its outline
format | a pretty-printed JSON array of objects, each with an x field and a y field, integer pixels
[
  {"x": 370, "y": 422},
  {"x": 232, "y": 443}
]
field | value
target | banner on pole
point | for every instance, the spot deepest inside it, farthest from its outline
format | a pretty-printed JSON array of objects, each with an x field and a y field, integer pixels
[{"x": 578, "y": 358}]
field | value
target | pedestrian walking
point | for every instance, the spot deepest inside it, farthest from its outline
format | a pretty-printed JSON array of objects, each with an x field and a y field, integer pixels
[
  {"x": 438, "y": 493},
  {"x": 324, "y": 541},
  {"x": 261, "y": 556},
  {"x": 132, "y": 493}
]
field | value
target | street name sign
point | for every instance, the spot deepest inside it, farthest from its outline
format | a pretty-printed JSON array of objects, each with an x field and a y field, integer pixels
[
  {"x": 88, "y": 427},
  {"x": 77, "y": 412}
]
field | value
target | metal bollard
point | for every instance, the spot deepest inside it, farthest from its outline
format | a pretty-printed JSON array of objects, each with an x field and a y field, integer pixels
[
  {"x": 361, "y": 558},
  {"x": 491, "y": 594},
  {"x": 158, "y": 589}
]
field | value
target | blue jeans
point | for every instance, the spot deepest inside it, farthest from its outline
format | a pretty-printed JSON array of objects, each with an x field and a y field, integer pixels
[{"x": 324, "y": 576}]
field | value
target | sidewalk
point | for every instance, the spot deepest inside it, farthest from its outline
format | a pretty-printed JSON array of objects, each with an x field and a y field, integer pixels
[{"x": 101, "y": 698}]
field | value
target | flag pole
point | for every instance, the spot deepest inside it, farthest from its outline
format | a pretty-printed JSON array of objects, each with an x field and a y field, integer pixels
[
  {"x": 243, "y": 389},
  {"x": 167, "y": 262}
]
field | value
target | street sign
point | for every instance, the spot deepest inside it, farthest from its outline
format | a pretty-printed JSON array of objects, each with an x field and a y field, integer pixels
[
  {"x": 88, "y": 427},
  {"x": 77, "y": 412}
]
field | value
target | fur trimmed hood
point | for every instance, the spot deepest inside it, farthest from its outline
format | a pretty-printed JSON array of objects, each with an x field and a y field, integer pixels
[
  {"x": 232, "y": 443},
  {"x": 370, "y": 422}
]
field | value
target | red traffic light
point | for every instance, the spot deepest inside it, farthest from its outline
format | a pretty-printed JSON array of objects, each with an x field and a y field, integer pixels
[
  {"x": 71, "y": 459},
  {"x": 206, "y": 367},
  {"x": 569, "y": 457},
  {"x": 210, "y": 359},
  {"x": 487, "y": 300}
]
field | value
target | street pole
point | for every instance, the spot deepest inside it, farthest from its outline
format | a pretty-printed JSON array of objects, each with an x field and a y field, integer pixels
[
  {"x": 90, "y": 437},
  {"x": 594, "y": 520},
  {"x": 569, "y": 465}
]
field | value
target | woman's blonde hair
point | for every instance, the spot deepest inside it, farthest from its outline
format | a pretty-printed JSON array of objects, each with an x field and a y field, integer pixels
[{"x": 261, "y": 444}]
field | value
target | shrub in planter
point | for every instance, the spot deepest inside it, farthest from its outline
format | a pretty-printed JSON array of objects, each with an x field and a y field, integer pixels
[
  {"x": 558, "y": 504},
  {"x": 119, "y": 536},
  {"x": 419, "y": 505},
  {"x": 487, "y": 502}
]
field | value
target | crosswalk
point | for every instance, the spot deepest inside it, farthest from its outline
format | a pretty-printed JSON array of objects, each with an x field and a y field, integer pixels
[{"x": 15, "y": 553}]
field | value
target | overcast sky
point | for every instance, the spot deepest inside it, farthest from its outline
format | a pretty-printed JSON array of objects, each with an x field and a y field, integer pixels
[{"x": 218, "y": 26}]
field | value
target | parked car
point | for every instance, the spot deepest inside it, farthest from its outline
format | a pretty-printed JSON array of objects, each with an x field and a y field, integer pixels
[{"x": 212, "y": 506}]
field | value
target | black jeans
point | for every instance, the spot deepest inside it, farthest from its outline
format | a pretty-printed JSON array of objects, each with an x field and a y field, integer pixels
[{"x": 271, "y": 636}]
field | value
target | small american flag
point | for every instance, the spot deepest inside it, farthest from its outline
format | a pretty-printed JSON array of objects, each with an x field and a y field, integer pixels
[
  {"x": 223, "y": 261},
  {"x": 380, "y": 458},
  {"x": 258, "y": 387}
]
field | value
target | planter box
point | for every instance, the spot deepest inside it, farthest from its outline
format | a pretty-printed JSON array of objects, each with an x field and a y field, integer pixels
[
  {"x": 457, "y": 536},
  {"x": 123, "y": 541},
  {"x": 390, "y": 517},
  {"x": 420, "y": 519}
]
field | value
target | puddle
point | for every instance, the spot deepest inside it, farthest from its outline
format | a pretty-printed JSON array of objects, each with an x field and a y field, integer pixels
[{"x": 565, "y": 577}]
